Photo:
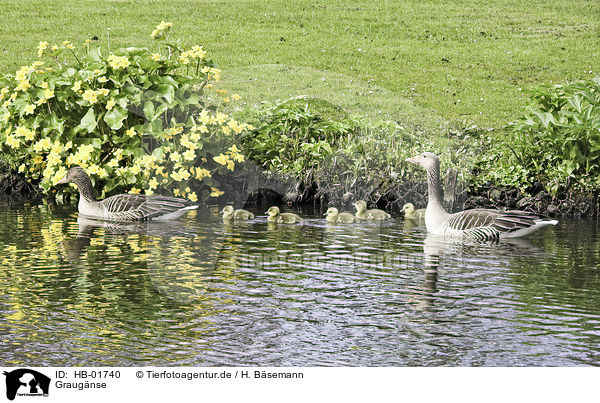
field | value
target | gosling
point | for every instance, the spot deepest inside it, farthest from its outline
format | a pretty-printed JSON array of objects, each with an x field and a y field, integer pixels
[
  {"x": 411, "y": 213},
  {"x": 282, "y": 218},
  {"x": 229, "y": 214},
  {"x": 332, "y": 215},
  {"x": 371, "y": 215}
]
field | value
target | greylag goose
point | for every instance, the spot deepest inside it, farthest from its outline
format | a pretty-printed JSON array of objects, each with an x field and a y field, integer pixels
[
  {"x": 282, "y": 218},
  {"x": 410, "y": 212},
  {"x": 370, "y": 215},
  {"x": 240, "y": 214},
  {"x": 477, "y": 224},
  {"x": 333, "y": 215},
  {"x": 124, "y": 207}
]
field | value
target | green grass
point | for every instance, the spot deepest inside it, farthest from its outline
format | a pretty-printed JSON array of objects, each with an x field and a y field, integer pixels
[{"x": 410, "y": 61}]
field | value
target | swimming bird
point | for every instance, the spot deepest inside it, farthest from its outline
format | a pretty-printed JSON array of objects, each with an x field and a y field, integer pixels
[
  {"x": 334, "y": 216},
  {"x": 282, "y": 218},
  {"x": 240, "y": 214},
  {"x": 477, "y": 224},
  {"x": 410, "y": 212},
  {"x": 124, "y": 207},
  {"x": 370, "y": 215}
]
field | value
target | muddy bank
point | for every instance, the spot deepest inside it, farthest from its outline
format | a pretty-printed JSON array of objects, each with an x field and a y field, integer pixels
[
  {"x": 255, "y": 189},
  {"x": 13, "y": 184}
]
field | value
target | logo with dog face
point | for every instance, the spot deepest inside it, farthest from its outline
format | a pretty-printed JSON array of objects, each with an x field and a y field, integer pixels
[{"x": 26, "y": 382}]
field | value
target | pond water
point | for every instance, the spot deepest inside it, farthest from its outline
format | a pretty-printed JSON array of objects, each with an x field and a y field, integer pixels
[{"x": 200, "y": 292}]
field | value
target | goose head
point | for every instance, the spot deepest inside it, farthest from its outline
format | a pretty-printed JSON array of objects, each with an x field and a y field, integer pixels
[
  {"x": 426, "y": 160},
  {"x": 76, "y": 175},
  {"x": 360, "y": 206},
  {"x": 227, "y": 210},
  {"x": 331, "y": 211},
  {"x": 273, "y": 211},
  {"x": 408, "y": 208}
]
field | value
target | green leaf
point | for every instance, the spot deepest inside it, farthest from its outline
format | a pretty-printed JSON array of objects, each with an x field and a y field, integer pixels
[
  {"x": 88, "y": 122},
  {"x": 115, "y": 117},
  {"x": 149, "y": 110}
]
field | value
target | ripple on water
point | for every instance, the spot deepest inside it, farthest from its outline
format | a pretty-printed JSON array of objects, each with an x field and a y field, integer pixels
[{"x": 198, "y": 292}]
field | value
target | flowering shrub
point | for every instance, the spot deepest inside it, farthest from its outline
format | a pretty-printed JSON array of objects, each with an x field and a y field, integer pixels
[{"x": 134, "y": 120}]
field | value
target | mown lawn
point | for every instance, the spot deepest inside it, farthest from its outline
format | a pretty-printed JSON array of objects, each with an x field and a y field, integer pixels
[{"x": 443, "y": 60}]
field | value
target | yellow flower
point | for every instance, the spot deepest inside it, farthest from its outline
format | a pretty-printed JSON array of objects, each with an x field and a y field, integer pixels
[
  {"x": 230, "y": 165},
  {"x": 59, "y": 175},
  {"x": 12, "y": 141},
  {"x": 23, "y": 86},
  {"x": 118, "y": 62},
  {"x": 53, "y": 159},
  {"x": 164, "y": 25},
  {"x": 113, "y": 163},
  {"x": 68, "y": 45},
  {"x": 90, "y": 96},
  {"x": 156, "y": 56},
  {"x": 226, "y": 130},
  {"x": 76, "y": 86},
  {"x": 136, "y": 169},
  {"x": 185, "y": 175},
  {"x": 44, "y": 85},
  {"x": 176, "y": 176},
  {"x": 193, "y": 197},
  {"x": 197, "y": 52},
  {"x": 176, "y": 192},
  {"x": 189, "y": 155},
  {"x": 22, "y": 168},
  {"x": 41, "y": 47},
  {"x": 42, "y": 145},
  {"x": 153, "y": 183},
  {"x": 48, "y": 94},
  {"x": 29, "y": 109},
  {"x": 134, "y": 191},
  {"x": 202, "y": 173},
  {"x": 175, "y": 156},
  {"x": 149, "y": 192},
  {"x": 221, "y": 159},
  {"x": 102, "y": 79},
  {"x": 110, "y": 104},
  {"x": 215, "y": 192},
  {"x": 103, "y": 91},
  {"x": 37, "y": 159},
  {"x": 130, "y": 132},
  {"x": 236, "y": 97}
]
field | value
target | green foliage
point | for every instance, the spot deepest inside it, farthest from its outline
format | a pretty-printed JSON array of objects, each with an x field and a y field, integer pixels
[
  {"x": 135, "y": 120},
  {"x": 295, "y": 136},
  {"x": 557, "y": 141}
]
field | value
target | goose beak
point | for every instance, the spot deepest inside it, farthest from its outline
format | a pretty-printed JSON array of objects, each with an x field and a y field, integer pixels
[
  {"x": 412, "y": 160},
  {"x": 62, "y": 181}
]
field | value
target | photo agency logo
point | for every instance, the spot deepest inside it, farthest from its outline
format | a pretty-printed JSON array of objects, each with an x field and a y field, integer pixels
[{"x": 26, "y": 382}]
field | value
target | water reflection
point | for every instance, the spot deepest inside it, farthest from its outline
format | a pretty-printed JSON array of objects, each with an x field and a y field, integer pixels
[{"x": 203, "y": 292}]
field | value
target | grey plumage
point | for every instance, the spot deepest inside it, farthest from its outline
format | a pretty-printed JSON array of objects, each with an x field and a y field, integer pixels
[
  {"x": 124, "y": 207},
  {"x": 477, "y": 224}
]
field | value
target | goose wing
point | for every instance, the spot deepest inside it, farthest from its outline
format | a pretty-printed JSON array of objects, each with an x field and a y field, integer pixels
[
  {"x": 487, "y": 224},
  {"x": 141, "y": 207}
]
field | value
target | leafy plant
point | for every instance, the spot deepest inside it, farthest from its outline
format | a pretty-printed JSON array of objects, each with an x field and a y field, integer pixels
[
  {"x": 556, "y": 142},
  {"x": 296, "y": 135},
  {"x": 135, "y": 120}
]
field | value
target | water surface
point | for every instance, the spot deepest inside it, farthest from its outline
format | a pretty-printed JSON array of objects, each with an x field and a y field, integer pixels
[{"x": 199, "y": 292}]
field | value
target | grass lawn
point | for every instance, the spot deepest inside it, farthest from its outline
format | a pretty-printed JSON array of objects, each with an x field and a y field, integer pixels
[{"x": 438, "y": 61}]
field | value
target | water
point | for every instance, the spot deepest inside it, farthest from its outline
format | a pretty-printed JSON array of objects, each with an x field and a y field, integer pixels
[{"x": 200, "y": 292}]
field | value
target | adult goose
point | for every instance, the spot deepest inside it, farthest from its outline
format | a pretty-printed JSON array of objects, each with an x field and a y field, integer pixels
[
  {"x": 477, "y": 224},
  {"x": 276, "y": 216},
  {"x": 333, "y": 215},
  {"x": 230, "y": 214},
  {"x": 410, "y": 212},
  {"x": 124, "y": 207},
  {"x": 370, "y": 215}
]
